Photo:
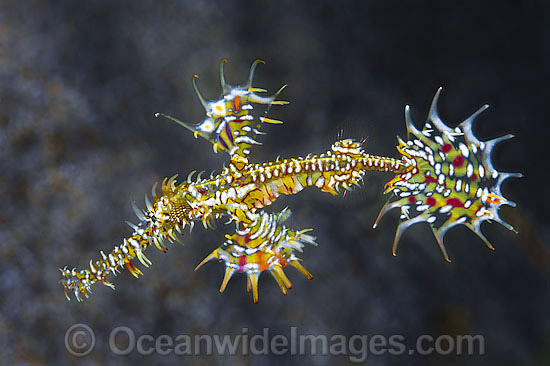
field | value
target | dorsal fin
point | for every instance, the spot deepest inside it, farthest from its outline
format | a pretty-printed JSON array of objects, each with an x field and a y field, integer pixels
[{"x": 232, "y": 122}]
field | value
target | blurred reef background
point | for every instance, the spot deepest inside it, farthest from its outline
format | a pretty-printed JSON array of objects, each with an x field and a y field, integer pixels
[{"x": 81, "y": 81}]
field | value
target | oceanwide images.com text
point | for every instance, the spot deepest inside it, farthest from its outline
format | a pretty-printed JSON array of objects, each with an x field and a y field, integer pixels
[{"x": 80, "y": 341}]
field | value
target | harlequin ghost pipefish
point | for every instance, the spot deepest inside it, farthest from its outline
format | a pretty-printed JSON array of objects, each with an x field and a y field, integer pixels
[{"x": 444, "y": 177}]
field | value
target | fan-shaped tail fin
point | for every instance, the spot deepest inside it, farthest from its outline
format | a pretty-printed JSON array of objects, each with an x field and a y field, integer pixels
[{"x": 449, "y": 179}]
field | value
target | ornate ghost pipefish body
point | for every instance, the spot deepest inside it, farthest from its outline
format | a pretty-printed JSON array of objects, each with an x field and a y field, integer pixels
[{"x": 444, "y": 177}]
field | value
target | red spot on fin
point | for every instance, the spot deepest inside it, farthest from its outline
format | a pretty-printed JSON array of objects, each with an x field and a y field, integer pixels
[
  {"x": 455, "y": 202},
  {"x": 430, "y": 201},
  {"x": 458, "y": 161},
  {"x": 412, "y": 199},
  {"x": 446, "y": 148},
  {"x": 242, "y": 262},
  {"x": 430, "y": 179}
]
